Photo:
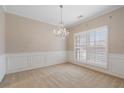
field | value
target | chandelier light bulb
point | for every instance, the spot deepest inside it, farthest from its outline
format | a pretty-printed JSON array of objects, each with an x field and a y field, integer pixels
[{"x": 61, "y": 31}]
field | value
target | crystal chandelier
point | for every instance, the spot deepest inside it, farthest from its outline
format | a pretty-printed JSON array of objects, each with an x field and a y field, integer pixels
[{"x": 61, "y": 30}]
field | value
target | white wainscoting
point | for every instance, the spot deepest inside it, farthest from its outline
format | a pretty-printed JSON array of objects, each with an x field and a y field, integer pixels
[
  {"x": 70, "y": 55},
  {"x": 2, "y": 67},
  {"x": 25, "y": 61},
  {"x": 115, "y": 64}
]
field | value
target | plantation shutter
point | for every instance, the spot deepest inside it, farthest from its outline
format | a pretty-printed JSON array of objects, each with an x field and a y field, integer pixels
[{"x": 91, "y": 47}]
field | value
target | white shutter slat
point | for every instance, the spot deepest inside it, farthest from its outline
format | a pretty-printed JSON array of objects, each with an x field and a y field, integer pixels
[{"x": 91, "y": 47}]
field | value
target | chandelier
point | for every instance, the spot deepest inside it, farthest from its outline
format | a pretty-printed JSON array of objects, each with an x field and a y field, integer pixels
[{"x": 61, "y": 30}]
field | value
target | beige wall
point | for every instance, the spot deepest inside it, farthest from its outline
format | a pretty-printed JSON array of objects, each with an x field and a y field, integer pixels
[
  {"x": 27, "y": 35},
  {"x": 115, "y": 22},
  {"x": 1, "y": 31}
]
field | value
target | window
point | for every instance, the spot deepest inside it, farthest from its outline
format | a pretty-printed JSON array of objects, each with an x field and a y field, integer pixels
[
  {"x": 91, "y": 47},
  {"x": 80, "y": 47}
]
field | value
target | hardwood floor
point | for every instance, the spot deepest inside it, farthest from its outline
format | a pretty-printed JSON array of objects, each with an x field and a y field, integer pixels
[{"x": 64, "y": 75}]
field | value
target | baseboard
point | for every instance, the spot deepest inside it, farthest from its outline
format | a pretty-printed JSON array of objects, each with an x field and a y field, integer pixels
[
  {"x": 115, "y": 64},
  {"x": 17, "y": 62}
]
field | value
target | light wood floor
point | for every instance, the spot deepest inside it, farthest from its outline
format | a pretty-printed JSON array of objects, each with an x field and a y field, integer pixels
[{"x": 64, "y": 75}]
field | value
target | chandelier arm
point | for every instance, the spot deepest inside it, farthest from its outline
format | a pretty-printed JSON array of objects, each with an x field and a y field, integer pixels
[
  {"x": 61, "y": 6},
  {"x": 61, "y": 31}
]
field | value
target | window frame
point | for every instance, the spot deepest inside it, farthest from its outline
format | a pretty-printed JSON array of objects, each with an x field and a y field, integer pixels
[{"x": 105, "y": 27}]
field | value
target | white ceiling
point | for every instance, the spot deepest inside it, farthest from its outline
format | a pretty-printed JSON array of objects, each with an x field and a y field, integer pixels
[{"x": 51, "y": 13}]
